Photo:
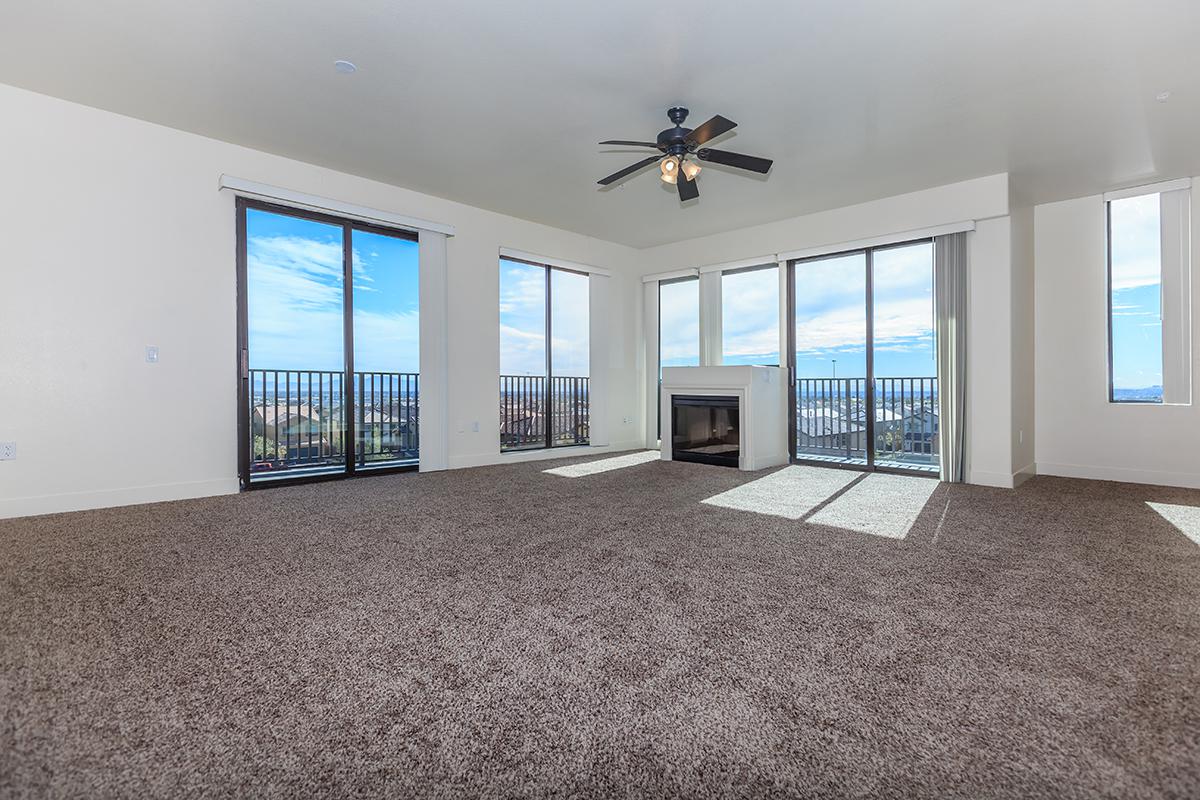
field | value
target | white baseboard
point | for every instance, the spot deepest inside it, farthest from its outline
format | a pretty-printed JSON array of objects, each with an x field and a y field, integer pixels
[
  {"x": 134, "y": 495},
  {"x": 1187, "y": 480},
  {"x": 1024, "y": 474},
  {"x": 522, "y": 456},
  {"x": 999, "y": 480}
]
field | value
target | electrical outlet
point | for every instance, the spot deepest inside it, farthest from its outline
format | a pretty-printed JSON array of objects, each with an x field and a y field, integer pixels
[{"x": 8, "y": 451}]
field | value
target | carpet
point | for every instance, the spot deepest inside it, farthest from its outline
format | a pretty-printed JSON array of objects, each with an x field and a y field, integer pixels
[{"x": 504, "y": 632}]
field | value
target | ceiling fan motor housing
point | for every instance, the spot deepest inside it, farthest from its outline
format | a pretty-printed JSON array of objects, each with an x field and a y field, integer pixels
[{"x": 671, "y": 141}]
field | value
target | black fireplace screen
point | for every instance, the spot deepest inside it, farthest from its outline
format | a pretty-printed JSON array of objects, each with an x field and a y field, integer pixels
[{"x": 705, "y": 429}]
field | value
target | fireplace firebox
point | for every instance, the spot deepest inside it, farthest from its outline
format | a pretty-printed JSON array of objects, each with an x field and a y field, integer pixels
[{"x": 705, "y": 429}]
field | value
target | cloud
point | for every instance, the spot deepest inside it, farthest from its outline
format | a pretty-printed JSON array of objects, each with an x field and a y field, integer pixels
[
  {"x": 523, "y": 321},
  {"x": 295, "y": 293},
  {"x": 1136, "y": 246}
]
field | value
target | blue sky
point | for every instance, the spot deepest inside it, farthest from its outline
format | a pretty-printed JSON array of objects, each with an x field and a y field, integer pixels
[
  {"x": 295, "y": 301},
  {"x": 295, "y": 296},
  {"x": 1136, "y": 293},
  {"x": 830, "y": 316},
  {"x": 523, "y": 320},
  {"x": 679, "y": 323}
]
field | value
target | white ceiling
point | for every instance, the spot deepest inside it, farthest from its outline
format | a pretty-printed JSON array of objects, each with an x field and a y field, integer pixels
[{"x": 500, "y": 103}]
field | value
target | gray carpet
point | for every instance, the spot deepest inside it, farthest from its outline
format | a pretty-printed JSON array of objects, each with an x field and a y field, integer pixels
[{"x": 501, "y": 632}]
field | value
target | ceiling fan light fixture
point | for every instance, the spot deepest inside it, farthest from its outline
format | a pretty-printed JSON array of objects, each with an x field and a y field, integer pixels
[{"x": 679, "y": 151}]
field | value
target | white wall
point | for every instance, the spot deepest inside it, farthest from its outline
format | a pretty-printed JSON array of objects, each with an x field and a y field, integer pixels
[
  {"x": 1079, "y": 433},
  {"x": 975, "y": 199},
  {"x": 114, "y": 237},
  {"x": 991, "y": 368}
]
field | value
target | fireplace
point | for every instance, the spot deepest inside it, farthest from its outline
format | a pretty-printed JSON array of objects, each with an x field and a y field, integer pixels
[{"x": 705, "y": 429}]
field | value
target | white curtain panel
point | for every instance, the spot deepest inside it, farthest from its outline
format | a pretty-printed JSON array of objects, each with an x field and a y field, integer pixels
[{"x": 950, "y": 301}]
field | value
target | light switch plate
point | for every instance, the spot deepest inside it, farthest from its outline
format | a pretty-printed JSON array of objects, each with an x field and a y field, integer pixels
[
  {"x": 8, "y": 451},
  {"x": 151, "y": 354}
]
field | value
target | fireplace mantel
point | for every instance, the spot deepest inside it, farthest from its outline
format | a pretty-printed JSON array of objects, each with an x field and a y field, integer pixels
[{"x": 762, "y": 400}]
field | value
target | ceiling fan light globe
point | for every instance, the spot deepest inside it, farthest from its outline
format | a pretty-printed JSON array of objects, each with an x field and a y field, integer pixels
[
  {"x": 669, "y": 166},
  {"x": 690, "y": 169},
  {"x": 671, "y": 178}
]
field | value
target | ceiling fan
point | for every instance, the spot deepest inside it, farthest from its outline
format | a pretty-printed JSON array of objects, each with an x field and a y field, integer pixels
[{"x": 678, "y": 145}]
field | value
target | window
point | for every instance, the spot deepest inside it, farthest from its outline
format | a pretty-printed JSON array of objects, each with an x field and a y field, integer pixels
[
  {"x": 678, "y": 323},
  {"x": 544, "y": 356},
  {"x": 750, "y": 316},
  {"x": 1148, "y": 309},
  {"x": 328, "y": 345},
  {"x": 863, "y": 348},
  {"x": 678, "y": 328}
]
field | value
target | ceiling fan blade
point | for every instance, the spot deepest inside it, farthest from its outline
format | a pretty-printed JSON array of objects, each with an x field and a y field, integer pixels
[
  {"x": 739, "y": 160},
  {"x": 688, "y": 190},
  {"x": 710, "y": 130},
  {"x": 632, "y": 168},
  {"x": 631, "y": 144}
]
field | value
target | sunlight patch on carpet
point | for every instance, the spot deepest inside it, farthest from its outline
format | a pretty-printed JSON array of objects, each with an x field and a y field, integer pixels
[
  {"x": 880, "y": 504},
  {"x": 605, "y": 464},
  {"x": 791, "y": 492},
  {"x": 1186, "y": 519}
]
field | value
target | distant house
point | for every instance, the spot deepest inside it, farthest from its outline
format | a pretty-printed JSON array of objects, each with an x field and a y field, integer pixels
[
  {"x": 297, "y": 429},
  {"x": 826, "y": 429},
  {"x": 921, "y": 430}
]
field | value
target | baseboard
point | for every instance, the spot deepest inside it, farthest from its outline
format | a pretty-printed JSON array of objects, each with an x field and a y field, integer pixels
[
  {"x": 520, "y": 457},
  {"x": 134, "y": 495},
  {"x": 1187, "y": 480},
  {"x": 1024, "y": 474},
  {"x": 998, "y": 480}
]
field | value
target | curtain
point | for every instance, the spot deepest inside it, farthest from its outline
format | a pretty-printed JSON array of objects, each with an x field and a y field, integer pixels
[
  {"x": 950, "y": 304},
  {"x": 1175, "y": 214}
]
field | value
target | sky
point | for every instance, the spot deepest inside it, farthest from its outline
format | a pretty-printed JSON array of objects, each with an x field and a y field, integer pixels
[
  {"x": 523, "y": 320},
  {"x": 295, "y": 296},
  {"x": 296, "y": 292},
  {"x": 831, "y": 320},
  {"x": 1136, "y": 293},
  {"x": 679, "y": 323}
]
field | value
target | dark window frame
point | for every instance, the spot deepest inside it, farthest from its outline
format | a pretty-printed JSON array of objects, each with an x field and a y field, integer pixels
[
  {"x": 869, "y": 265},
  {"x": 348, "y": 226},
  {"x": 548, "y": 377}
]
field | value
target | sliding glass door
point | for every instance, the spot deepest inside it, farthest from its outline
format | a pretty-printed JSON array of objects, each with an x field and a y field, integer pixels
[
  {"x": 544, "y": 356},
  {"x": 829, "y": 345},
  {"x": 327, "y": 346},
  {"x": 904, "y": 358},
  {"x": 864, "y": 382}
]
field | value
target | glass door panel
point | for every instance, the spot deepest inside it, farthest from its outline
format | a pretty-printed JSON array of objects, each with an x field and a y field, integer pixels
[
  {"x": 570, "y": 357},
  {"x": 386, "y": 349},
  {"x": 904, "y": 363},
  {"x": 523, "y": 351},
  {"x": 294, "y": 361},
  {"x": 830, "y": 380}
]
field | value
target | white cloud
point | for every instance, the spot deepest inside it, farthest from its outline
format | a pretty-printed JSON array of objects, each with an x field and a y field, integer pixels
[{"x": 296, "y": 295}]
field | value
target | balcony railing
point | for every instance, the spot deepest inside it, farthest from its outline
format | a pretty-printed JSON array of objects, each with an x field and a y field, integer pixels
[
  {"x": 536, "y": 411},
  {"x": 832, "y": 416},
  {"x": 298, "y": 419}
]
